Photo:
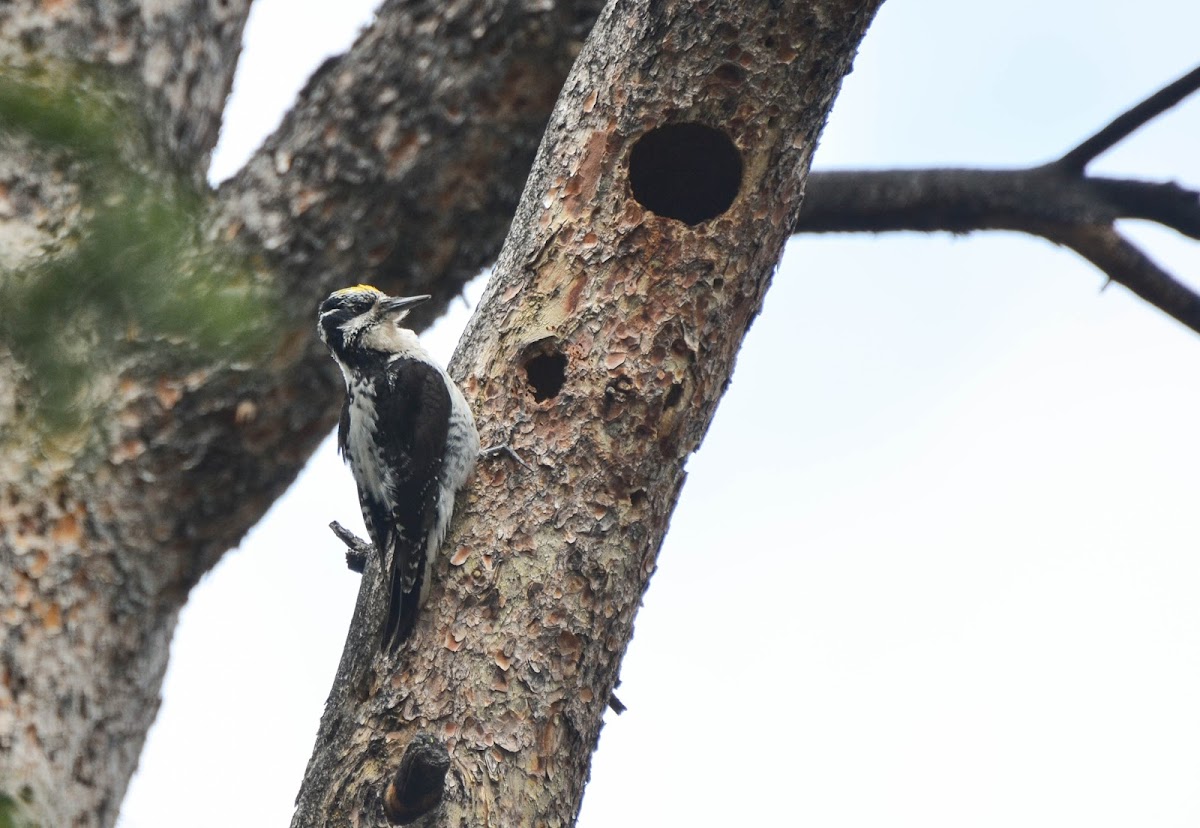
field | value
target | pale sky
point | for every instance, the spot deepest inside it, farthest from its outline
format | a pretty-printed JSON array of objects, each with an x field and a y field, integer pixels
[{"x": 936, "y": 562}]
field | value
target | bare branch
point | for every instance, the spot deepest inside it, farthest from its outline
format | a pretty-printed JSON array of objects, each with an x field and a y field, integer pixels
[
  {"x": 1164, "y": 203},
  {"x": 967, "y": 200},
  {"x": 1127, "y": 122},
  {"x": 1056, "y": 201},
  {"x": 1127, "y": 265},
  {"x": 1072, "y": 210}
]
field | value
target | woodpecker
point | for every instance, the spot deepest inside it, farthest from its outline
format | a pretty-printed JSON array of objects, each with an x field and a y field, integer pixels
[{"x": 409, "y": 438}]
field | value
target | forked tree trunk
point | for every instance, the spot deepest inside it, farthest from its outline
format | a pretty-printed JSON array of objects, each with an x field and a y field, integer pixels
[
  {"x": 401, "y": 160},
  {"x": 433, "y": 121},
  {"x": 600, "y": 354},
  {"x": 663, "y": 192}
]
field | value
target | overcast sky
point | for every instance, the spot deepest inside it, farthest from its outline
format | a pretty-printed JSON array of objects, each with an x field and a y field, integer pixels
[{"x": 957, "y": 484}]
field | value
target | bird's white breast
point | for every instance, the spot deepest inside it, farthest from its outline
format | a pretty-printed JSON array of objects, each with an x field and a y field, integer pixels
[{"x": 360, "y": 446}]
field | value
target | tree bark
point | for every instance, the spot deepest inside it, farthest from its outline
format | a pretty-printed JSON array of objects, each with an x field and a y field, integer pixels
[
  {"x": 86, "y": 612},
  {"x": 176, "y": 57},
  {"x": 401, "y": 163},
  {"x": 104, "y": 530},
  {"x": 600, "y": 351}
]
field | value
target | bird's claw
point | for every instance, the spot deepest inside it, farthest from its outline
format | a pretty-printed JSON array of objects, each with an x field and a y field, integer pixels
[{"x": 505, "y": 448}]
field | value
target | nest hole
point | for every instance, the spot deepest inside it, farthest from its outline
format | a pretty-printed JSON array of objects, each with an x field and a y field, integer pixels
[
  {"x": 545, "y": 369},
  {"x": 688, "y": 172},
  {"x": 674, "y": 395}
]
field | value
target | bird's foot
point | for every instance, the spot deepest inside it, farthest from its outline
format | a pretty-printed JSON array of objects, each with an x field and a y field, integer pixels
[{"x": 504, "y": 448}]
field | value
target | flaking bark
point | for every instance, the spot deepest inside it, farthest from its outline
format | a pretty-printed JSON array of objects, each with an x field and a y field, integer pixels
[
  {"x": 400, "y": 164},
  {"x": 105, "y": 529},
  {"x": 533, "y": 602},
  {"x": 86, "y": 609}
]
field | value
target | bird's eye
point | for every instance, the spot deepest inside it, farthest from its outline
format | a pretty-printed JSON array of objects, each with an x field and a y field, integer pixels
[{"x": 350, "y": 304}]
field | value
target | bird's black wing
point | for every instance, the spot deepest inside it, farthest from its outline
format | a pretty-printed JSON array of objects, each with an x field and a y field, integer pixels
[
  {"x": 413, "y": 420},
  {"x": 344, "y": 428}
]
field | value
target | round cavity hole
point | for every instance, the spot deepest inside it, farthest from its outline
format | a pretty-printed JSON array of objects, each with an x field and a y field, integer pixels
[
  {"x": 545, "y": 369},
  {"x": 689, "y": 172}
]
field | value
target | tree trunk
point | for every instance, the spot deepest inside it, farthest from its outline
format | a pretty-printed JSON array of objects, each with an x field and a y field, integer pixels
[
  {"x": 104, "y": 530},
  {"x": 86, "y": 609},
  {"x": 668, "y": 181},
  {"x": 401, "y": 163}
]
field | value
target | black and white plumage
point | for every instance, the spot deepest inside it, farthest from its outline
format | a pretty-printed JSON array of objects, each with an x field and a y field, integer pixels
[{"x": 409, "y": 438}]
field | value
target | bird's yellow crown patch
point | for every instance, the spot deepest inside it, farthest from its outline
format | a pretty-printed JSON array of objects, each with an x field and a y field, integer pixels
[{"x": 357, "y": 289}]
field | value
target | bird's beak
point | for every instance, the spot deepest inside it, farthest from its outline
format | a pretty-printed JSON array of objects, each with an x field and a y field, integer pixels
[{"x": 397, "y": 303}]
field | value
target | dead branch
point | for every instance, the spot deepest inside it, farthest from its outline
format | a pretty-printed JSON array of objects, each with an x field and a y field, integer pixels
[
  {"x": 1057, "y": 201},
  {"x": 1126, "y": 264},
  {"x": 1129, "y": 121},
  {"x": 357, "y": 549}
]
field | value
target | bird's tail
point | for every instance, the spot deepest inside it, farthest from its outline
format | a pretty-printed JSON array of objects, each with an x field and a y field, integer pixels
[{"x": 404, "y": 591}]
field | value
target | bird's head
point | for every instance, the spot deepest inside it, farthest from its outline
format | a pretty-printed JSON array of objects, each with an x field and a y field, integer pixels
[{"x": 362, "y": 318}]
